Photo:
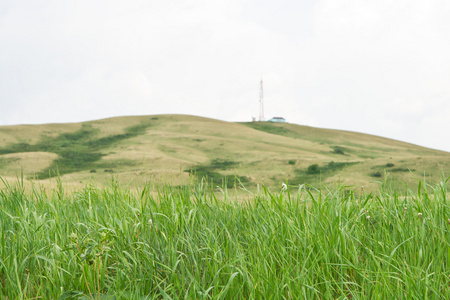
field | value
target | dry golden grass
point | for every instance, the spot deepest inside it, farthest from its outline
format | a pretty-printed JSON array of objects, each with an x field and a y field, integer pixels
[
  {"x": 174, "y": 143},
  {"x": 28, "y": 162},
  {"x": 32, "y": 133}
]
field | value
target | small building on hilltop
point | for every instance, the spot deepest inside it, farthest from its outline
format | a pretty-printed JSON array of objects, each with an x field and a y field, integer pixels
[{"x": 277, "y": 120}]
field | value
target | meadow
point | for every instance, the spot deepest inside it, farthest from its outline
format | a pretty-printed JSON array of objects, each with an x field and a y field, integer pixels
[
  {"x": 138, "y": 149},
  {"x": 198, "y": 241}
]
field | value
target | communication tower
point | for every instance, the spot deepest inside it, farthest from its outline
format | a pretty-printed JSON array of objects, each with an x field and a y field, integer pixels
[{"x": 261, "y": 103}]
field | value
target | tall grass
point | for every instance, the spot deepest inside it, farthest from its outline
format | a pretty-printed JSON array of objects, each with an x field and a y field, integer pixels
[{"x": 186, "y": 243}]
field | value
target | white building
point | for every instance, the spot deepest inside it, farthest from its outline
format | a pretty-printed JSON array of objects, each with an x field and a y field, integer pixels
[{"x": 277, "y": 120}]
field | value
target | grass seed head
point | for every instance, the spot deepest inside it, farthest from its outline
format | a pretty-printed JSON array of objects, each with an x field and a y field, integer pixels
[{"x": 73, "y": 236}]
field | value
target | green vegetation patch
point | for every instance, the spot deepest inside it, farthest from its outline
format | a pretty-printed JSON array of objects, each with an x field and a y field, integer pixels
[
  {"x": 393, "y": 170},
  {"x": 313, "y": 169},
  {"x": 401, "y": 170},
  {"x": 314, "y": 174},
  {"x": 335, "y": 166},
  {"x": 210, "y": 173},
  {"x": 339, "y": 150},
  {"x": 77, "y": 150},
  {"x": 6, "y": 161},
  {"x": 270, "y": 128},
  {"x": 388, "y": 167}
]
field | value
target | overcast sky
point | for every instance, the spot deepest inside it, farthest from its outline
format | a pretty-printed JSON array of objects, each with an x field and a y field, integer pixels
[{"x": 374, "y": 66}]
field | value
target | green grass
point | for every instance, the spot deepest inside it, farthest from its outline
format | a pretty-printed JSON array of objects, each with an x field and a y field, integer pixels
[
  {"x": 4, "y": 161},
  {"x": 314, "y": 173},
  {"x": 401, "y": 170},
  {"x": 389, "y": 167},
  {"x": 339, "y": 150},
  {"x": 269, "y": 128},
  {"x": 77, "y": 151},
  {"x": 172, "y": 143},
  {"x": 190, "y": 243},
  {"x": 211, "y": 174}
]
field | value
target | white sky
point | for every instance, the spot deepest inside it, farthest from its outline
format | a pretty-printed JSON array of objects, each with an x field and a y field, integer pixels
[{"x": 375, "y": 66}]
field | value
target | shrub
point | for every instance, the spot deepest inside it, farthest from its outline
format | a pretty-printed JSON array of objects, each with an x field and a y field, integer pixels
[
  {"x": 402, "y": 170},
  {"x": 291, "y": 162},
  {"x": 338, "y": 150},
  {"x": 376, "y": 174},
  {"x": 389, "y": 165},
  {"x": 313, "y": 169}
]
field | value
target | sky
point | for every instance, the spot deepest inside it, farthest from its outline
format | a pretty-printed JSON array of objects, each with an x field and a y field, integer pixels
[{"x": 374, "y": 66}]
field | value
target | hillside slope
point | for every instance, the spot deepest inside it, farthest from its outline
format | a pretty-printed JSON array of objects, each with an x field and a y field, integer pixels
[{"x": 170, "y": 147}]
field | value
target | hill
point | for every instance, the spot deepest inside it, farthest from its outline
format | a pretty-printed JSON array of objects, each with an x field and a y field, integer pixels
[{"x": 167, "y": 148}]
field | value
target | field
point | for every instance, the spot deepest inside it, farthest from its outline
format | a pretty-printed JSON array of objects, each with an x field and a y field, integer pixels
[
  {"x": 184, "y": 207},
  {"x": 170, "y": 148},
  {"x": 197, "y": 242}
]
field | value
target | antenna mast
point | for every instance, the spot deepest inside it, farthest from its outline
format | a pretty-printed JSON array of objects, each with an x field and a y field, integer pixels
[{"x": 261, "y": 103}]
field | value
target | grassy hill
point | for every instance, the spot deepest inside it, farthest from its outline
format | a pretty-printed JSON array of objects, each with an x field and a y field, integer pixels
[{"x": 167, "y": 148}]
